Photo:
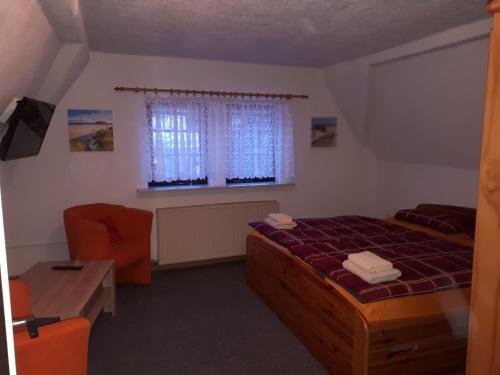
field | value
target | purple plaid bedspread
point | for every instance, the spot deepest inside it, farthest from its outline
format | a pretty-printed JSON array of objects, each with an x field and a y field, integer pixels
[{"x": 427, "y": 263}]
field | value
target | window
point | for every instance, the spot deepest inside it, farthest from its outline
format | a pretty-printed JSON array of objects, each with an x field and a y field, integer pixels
[
  {"x": 218, "y": 142},
  {"x": 250, "y": 155},
  {"x": 178, "y": 142}
]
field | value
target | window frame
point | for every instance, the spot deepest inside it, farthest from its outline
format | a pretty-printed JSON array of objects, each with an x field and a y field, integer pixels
[
  {"x": 280, "y": 118},
  {"x": 203, "y": 180}
]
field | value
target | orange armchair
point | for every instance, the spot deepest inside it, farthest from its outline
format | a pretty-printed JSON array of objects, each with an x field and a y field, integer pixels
[
  {"x": 60, "y": 349},
  {"x": 107, "y": 231}
]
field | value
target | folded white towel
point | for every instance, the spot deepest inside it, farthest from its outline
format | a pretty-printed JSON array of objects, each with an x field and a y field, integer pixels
[
  {"x": 371, "y": 277},
  {"x": 370, "y": 262},
  {"x": 281, "y": 218},
  {"x": 277, "y": 225}
]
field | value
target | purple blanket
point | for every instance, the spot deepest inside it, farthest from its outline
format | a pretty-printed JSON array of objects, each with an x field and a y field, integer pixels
[{"x": 427, "y": 263}]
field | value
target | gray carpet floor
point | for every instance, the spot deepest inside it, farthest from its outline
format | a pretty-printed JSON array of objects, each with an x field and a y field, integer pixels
[{"x": 195, "y": 321}]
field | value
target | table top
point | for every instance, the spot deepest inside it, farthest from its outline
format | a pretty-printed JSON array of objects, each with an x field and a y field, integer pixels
[{"x": 64, "y": 293}]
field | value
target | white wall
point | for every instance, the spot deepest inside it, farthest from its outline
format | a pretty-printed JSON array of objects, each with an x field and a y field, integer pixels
[
  {"x": 404, "y": 185},
  {"x": 419, "y": 108},
  {"x": 36, "y": 190},
  {"x": 428, "y": 108}
]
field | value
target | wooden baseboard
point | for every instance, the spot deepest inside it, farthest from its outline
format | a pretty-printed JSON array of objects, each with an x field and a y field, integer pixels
[{"x": 197, "y": 263}]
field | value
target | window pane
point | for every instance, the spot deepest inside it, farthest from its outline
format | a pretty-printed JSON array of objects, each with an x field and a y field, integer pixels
[
  {"x": 178, "y": 135},
  {"x": 250, "y": 139}
]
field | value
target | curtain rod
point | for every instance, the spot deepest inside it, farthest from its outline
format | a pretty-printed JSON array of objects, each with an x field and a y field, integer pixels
[{"x": 213, "y": 93}]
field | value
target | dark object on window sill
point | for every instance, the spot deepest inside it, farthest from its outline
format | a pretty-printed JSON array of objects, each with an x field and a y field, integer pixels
[
  {"x": 249, "y": 180},
  {"x": 199, "y": 181}
]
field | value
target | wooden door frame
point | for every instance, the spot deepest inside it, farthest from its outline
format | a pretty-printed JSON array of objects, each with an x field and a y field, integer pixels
[{"x": 483, "y": 353}]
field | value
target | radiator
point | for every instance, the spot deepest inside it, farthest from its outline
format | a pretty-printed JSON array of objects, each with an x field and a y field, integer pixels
[{"x": 194, "y": 233}]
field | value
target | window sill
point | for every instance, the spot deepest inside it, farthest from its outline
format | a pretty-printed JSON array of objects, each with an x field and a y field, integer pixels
[{"x": 206, "y": 187}]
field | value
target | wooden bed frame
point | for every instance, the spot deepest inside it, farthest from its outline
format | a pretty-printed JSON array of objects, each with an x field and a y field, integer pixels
[{"x": 338, "y": 335}]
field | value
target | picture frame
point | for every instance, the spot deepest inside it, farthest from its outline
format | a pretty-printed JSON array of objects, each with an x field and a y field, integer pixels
[
  {"x": 323, "y": 132},
  {"x": 90, "y": 130}
]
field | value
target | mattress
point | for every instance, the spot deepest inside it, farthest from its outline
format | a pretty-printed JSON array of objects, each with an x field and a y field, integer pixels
[
  {"x": 449, "y": 302},
  {"x": 428, "y": 263}
]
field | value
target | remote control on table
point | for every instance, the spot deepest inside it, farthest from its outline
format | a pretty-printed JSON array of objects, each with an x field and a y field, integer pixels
[{"x": 67, "y": 268}]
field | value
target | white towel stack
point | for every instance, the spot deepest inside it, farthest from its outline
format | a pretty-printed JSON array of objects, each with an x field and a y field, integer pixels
[
  {"x": 280, "y": 221},
  {"x": 371, "y": 268}
]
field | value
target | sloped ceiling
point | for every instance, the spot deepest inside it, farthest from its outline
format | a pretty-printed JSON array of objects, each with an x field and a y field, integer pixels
[
  {"x": 291, "y": 32},
  {"x": 419, "y": 103},
  {"x": 28, "y": 44},
  {"x": 43, "y": 48},
  {"x": 66, "y": 19}
]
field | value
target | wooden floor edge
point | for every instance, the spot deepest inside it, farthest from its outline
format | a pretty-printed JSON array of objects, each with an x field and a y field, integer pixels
[{"x": 197, "y": 263}]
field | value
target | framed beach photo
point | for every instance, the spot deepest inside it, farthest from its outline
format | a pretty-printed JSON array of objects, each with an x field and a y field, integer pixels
[
  {"x": 90, "y": 129},
  {"x": 323, "y": 131}
]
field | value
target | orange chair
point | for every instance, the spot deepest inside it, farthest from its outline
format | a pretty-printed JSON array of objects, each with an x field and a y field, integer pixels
[
  {"x": 60, "y": 348},
  {"x": 107, "y": 231}
]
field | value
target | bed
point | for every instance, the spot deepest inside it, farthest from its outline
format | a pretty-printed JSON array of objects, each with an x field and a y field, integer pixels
[{"x": 417, "y": 334}]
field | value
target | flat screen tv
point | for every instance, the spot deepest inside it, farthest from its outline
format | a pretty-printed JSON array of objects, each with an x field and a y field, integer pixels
[{"x": 26, "y": 129}]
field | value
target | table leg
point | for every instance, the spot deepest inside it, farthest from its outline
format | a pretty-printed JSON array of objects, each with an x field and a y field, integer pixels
[{"x": 109, "y": 283}]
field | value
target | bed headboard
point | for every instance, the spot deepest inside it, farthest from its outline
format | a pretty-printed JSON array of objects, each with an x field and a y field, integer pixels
[{"x": 467, "y": 211}]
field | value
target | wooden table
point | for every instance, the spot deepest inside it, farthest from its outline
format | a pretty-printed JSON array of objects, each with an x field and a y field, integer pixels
[{"x": 69, "y": 294}]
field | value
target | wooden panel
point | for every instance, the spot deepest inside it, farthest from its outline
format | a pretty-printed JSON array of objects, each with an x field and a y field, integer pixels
[
  {"x": 197, "y": 263},
  {"x": 109, "y": 284},
  {"x": 324, "y": 324},
  {"x": 484, "y": 335},
  {"x": 221, "y": 230},
  {"x": 335, "y": 331},
  {"x": 437, "y": 363},
  {"x": 96, "y": 304},
  {"x": 412, "y": 349},
  {"x": 401, "y": 335}
]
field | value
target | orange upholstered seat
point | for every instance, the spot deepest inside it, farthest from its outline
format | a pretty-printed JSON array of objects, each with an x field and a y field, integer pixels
[
  {"x": 108, "y": 231},
  {"x": 20, "y": 299},
  {"x": 60, "y": 349}
]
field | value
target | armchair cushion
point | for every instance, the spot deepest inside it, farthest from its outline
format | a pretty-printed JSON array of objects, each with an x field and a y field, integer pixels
[
  {"x": 124, "y": 253},
  {"x": 134, "y": 223},
  {"x": 114, "y": 235},
  {"x": 19, "y": 299},
  {"x": 60, "y": 349}
]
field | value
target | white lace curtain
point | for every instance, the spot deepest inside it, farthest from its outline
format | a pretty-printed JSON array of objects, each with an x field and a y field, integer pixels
[
  {"x": 218, "y": 139},
  {"x": 177, "y": 139}
]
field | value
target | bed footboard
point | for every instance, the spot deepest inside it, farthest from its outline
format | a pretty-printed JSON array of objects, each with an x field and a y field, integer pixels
[{"x": 337, "y": 334}]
